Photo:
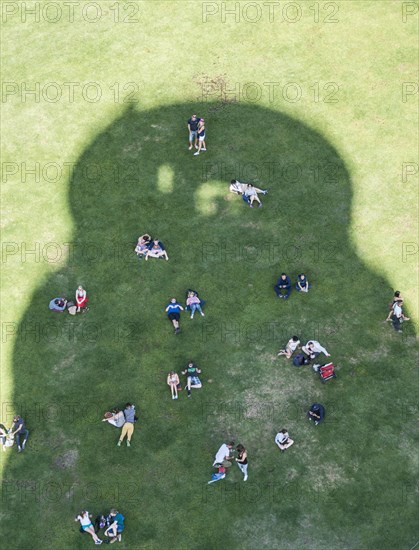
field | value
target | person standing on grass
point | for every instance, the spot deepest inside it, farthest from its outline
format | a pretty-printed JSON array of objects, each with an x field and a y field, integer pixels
[
  {"x": 193, "y": 131},
  {"x": 398, "y": 316},
  {"x": 173, "y": 312},
  {"x": 283, "y": 286},
  {"x": 193, "y": 380},
  {"x": 222, "y": 458},
  {"x": 241, "y": 460},
  {"x": 283, "y": 440},
  {"x": 128, "y": 427},
  {"x": 86, "y": 524},
  {"x": 18, "y": 431},
  {"x": 173, "y": 382},
  {"x": 291, "y": 346},
  {"x": 201, "y": 137},
  {"x": 397, "y": 297}
]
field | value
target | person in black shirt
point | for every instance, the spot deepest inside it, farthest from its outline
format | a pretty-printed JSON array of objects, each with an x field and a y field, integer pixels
[
  {"x": 193, "y": 131},
  {"x": 241, "y": 460},
  {"x": 283, "y": 285}
]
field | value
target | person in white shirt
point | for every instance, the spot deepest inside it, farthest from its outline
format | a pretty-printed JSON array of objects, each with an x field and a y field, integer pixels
[
  {"x": 313, "y": 349},
  {"x": 223, "y": 455},
  {"x": 398, "y": 316},
  {"x": 283, "y": 440},
  {"x": 116, "y": 418},
  {"x": 291, "y": 346},
  {"x": 85, "y": 520}
]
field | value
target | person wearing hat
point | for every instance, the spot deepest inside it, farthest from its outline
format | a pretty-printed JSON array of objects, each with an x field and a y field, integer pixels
[
  {"x": 316, "y": 413},
  {"x": 201, "y": 137},
  {"x": 193, "y": 131},
  {"x": 18, "y": 430}
]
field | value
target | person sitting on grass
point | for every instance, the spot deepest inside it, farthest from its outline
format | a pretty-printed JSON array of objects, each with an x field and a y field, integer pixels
[
  {"x": 313, "y": 349},
  {"x": 115, "y": 417},
  {"x": 193, "y": 380},
  {"x": 173, "y": 312},
  {"x": 58, "y": 304},
  {"x": 128, "y": 427},
  {"x": 173, "y": 382},
  {"x": 116, "y": 527},
  {"x": 81, "y": 299},
  {"x": 291, "y": 346},
  {"x": 143, "y": 244},
  {"x": 302, "y": 283},
  {"x": 283, "y": 440},
  {"x": 86, "y": 524},
  {"x": 156, "y": 250},
  {"x": 283, "y": 286},
  {"x": 194, "y": 303},
  {"x": 316, "y": 413}
]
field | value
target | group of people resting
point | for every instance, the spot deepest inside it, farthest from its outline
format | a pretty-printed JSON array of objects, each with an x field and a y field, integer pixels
[
  {"x": 248, "y": 192},
  {"x": 79, "y": 306},
  {"x": 124, "y": 419},
  {"x": 150, "y": 248},
  {"x": 174, "y": 308},
  {"x": 113, "y": 523},
  {"x": 283, "y": 286},
  {"x": 396, "y": 315},
  {"x": 192, "y": 379},
  {"x": 312, "y": 349}
]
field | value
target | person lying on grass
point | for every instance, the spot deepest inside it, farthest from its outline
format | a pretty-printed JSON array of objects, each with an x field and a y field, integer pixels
[
  {"x": 291, "y": 346},
  {"x": 156, "y": 250},
  {"x": 86, "y": 524},
  {"x": 128, "y": 427},
  {"x": 248, "y": 191},
  {"x": 194, "y": 303},
  {"x": 143, "y": 244},
  {"x": 115, "y": 417},
  {"x": 283, "y": 440},
  {"x": 193, "y": 380},
  {"x": 173, "y": 312},
  {"x": 173, "y": 383},
  {"x": 58, "y": 304}
]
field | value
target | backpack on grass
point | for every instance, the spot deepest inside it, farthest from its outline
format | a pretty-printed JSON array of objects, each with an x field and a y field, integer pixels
[{"x": 300, "y": 360}]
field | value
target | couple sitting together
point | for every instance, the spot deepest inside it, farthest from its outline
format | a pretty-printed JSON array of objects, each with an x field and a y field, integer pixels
[
  {"x": 248, "y": 192},
  {"x": 150, "y": 248},
  {"x": 80, "y": 305}
]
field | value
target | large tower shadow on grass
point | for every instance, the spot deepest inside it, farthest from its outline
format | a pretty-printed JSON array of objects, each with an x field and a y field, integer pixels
[{"x": 138, "y": 176}]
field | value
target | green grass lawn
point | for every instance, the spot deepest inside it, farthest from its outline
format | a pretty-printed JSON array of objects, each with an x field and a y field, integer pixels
[{"x": 334, "y": 173}]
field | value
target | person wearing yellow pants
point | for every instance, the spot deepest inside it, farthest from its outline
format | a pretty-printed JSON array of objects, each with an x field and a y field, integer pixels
[{"x": 128, "y": 427}]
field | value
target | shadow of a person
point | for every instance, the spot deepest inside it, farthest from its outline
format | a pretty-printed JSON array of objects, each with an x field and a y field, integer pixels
[{"x": 138, "y": 176}]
